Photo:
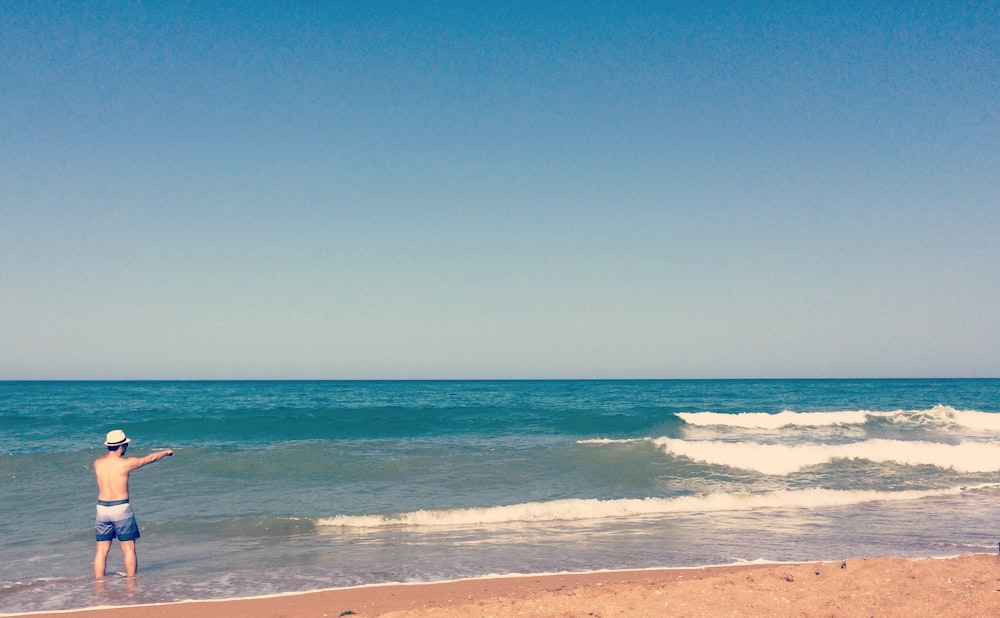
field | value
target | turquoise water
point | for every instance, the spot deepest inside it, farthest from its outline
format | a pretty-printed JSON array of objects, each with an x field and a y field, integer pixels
[{"x": 284, "y": 486}]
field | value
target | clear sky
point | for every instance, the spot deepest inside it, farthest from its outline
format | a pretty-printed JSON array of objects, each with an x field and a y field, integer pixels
[{"x": 499, "y": 189}]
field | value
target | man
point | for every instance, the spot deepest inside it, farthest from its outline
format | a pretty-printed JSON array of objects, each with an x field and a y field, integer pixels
[{"x": 114, "y": 513}]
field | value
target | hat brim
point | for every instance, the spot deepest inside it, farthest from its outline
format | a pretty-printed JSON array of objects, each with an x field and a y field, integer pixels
[{"x": 125, "y": 441}]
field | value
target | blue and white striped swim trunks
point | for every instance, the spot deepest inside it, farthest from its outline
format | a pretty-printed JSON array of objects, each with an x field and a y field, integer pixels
[{"x": 116, "y": 519}]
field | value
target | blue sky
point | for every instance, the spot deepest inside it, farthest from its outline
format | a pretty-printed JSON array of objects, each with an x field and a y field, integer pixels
[{"x": 499, "y": 190}]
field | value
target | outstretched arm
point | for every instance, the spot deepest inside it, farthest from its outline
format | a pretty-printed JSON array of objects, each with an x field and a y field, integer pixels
[{"x": 139, "y": 462}]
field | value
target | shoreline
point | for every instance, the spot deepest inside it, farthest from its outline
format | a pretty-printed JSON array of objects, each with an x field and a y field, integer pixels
[{"x": 967, "y": 585}]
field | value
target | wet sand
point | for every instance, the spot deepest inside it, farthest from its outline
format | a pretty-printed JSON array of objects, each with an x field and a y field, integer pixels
[{"x": 884, "y": 587}]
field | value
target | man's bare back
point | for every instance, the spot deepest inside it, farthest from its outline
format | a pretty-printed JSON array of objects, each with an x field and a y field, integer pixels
[
  {"x": 113, "y": 471},
  {"x": 115, "y": 518}
]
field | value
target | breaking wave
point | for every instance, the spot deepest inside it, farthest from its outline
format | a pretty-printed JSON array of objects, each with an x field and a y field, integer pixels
[
  {"x": 938, "y": 416},
  {"x": 577, "y": 510},
  {"x": 784, "y": 459}
]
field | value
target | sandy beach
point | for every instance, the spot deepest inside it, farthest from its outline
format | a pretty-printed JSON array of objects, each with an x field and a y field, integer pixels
[{"x": 961, "y": 586}]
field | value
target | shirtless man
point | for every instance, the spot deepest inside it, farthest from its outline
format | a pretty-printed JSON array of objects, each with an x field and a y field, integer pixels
[{"x": 114, "y": 513}]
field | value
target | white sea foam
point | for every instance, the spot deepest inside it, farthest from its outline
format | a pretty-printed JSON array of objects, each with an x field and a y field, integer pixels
[
  {"x": 781, "y": 459},
  {"x": 939, "y": 415},
  {"x": 575, "y": 510},
  {"x": 978, "y": 420},
  {"x": 764, "y": 420}
]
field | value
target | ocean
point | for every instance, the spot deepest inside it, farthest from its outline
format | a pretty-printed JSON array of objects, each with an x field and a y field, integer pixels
[{"x": 292, "y": 486}]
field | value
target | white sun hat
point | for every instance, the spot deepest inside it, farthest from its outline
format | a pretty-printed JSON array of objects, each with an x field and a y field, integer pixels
[{"x": 116, "y": 438}]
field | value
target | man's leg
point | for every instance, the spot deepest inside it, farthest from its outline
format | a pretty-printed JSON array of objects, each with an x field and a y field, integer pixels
[
  {"x": 101, "y": 558},
  {"x": 131, "y": 562}
]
